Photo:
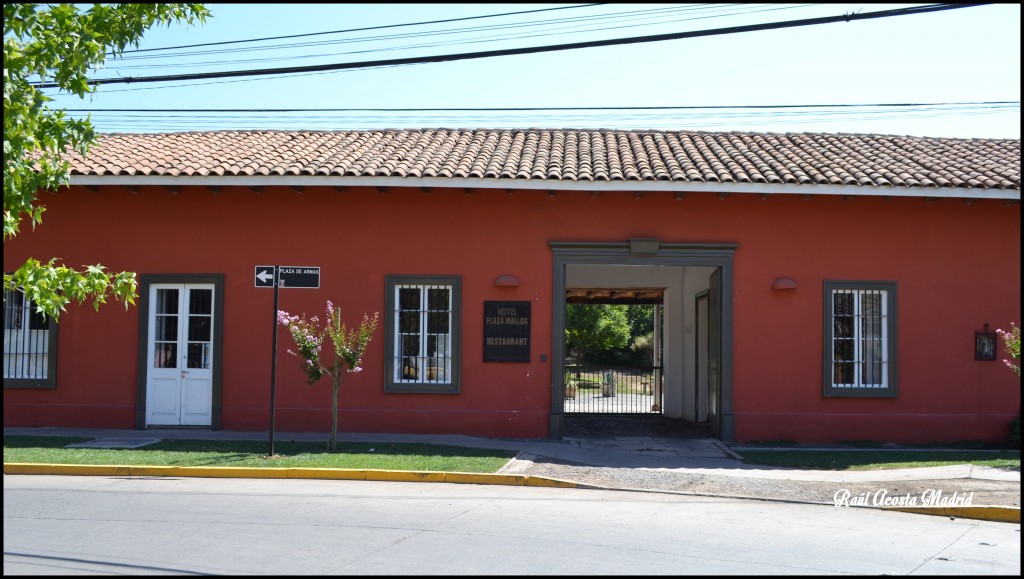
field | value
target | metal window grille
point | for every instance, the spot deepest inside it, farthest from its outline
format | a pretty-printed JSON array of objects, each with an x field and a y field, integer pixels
[
  {"x": 423, "y": 334},
  {"x": 26, "y": 339},
  {"x": 859, "y": 339}
]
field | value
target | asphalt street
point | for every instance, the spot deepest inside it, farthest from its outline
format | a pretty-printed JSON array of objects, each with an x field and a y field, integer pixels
[
  {"x": 173, "y": 525},
  {"x": 652, "y": 461}
]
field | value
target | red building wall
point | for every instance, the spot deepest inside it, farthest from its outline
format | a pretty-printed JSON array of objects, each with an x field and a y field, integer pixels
[{"x": 957, "y": 266}]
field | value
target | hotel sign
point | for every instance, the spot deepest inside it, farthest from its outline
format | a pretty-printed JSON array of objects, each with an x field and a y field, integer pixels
[{"x": 506, "y": 331}]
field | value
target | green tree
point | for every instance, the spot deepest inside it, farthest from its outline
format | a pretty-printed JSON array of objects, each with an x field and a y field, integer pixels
[
  {"x": 63, "y": 45},
  {"x": 349, "y": 346},
  {"x": 594, "y": 328},
  {"x": 641, "y": 320}
]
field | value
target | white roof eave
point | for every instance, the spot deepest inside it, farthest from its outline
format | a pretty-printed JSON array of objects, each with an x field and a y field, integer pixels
[{"x": 540, "y": 184}]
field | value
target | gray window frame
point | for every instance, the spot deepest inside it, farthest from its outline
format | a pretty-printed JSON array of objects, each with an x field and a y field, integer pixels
[
  {"x": 50, "y": 382},
  {"x": 394, "y": 387},
  {"x": 891, "y": 390}
]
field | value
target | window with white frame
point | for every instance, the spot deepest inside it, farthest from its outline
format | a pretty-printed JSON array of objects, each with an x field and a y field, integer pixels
[
  {"x": 422, "y": 340},
  {"x": 30, "y": 344},
  {"x": 860, "y": 339}
]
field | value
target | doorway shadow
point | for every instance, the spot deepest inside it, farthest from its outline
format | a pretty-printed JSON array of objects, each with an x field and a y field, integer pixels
[{"x": 647, "y": 425}]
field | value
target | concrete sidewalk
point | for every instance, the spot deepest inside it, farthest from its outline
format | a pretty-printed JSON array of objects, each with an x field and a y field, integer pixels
[{"x": 696, "y": 456}]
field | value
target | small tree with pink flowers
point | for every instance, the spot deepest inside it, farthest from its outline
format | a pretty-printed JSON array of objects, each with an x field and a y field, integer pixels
[
  {"x": 1011, "y": 342},
  {"x": 349, "y": 346}
]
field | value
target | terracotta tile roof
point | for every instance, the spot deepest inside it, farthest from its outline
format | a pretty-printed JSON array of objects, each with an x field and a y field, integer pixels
[{"x": 568, "y": 155}]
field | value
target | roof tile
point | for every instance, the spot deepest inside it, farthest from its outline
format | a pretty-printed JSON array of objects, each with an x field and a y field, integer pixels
[{"x": 567, "y": 155}]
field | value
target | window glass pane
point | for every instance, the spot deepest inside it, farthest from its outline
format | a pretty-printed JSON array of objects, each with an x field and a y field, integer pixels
[
  {"x": 166, "y": 329},
  {"x": 12, "y": 310},
  {"x": 165, "y": 355},
  {"x": 437, "y": 322},
  {"x": 199, "y": 356},
  {"x": 843, "y": 350},
  {"x": 439, "y": 299},
  {"x": 409, "y": 346},
  {"x": 842, "y": 373},
  {"x": 871, "y": 373},
  {"x": 200, "y": 301},
  {"x": 409, "y": 298},
  {"x": 408, "y": 357},
  {"x": 199, "y": 328},
  {"x": 408, "y": 322},
  {"x": 36, "y": 321},
  {"x": 167, "y": 301}
]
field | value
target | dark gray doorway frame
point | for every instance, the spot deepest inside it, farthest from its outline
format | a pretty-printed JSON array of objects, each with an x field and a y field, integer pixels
[
  {"x": 145, "y": 281},
  {"x": 640, "y": 252},
  {"x": 698, "y": 335}
]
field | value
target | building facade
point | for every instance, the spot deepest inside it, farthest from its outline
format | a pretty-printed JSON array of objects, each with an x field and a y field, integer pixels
[{"x": 815, "y": 288}]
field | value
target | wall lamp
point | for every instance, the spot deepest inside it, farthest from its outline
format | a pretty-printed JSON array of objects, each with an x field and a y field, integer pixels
[
  {"x": 783, "y": 283},
  {"x": 506, "y": 281}
]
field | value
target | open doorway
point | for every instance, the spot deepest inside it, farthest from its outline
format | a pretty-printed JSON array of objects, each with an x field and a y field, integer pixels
[
  {"x": 613, "y": 351},
  {"x": 674, "y": 274}
]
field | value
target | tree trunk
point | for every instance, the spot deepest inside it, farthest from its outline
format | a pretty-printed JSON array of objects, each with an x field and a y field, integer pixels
[{"x": 332, "y": 445}]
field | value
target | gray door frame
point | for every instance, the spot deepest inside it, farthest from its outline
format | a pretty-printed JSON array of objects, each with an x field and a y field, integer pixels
[
  {"x": 142, "y": 377},
  {"x": 640, "y": 252}
]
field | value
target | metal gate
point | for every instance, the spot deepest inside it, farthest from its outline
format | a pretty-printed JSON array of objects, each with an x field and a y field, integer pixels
[{"x": 613, "y": 390}]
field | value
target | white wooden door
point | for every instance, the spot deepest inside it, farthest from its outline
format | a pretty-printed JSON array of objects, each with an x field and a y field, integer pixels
[{"x": 179, "y": 387}]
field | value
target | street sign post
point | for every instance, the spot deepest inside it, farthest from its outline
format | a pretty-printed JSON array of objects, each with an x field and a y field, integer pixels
[{"x": 278, "y": 276}]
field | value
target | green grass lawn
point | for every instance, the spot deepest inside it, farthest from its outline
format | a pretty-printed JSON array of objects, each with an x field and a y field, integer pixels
[
  {"x": 880, "y": 459},
  {"x": 429, "y": 457},
  {"x": 350, "y": 455}
]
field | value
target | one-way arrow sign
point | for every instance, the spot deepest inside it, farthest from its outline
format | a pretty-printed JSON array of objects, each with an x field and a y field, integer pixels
[
  {"x": 289, "y": 276},
  {"x": 264, "y": 276}
]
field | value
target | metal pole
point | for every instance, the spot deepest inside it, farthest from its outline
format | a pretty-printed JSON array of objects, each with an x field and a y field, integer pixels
[
  {"x": 273, "y": 366},
  {"x": 659, "y": 372}
]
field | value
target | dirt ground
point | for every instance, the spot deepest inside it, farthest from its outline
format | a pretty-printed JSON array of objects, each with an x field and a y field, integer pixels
[{"x": 986, "y": 492}]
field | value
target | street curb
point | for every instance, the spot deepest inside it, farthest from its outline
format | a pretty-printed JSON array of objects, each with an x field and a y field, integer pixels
[
  {"x": 984, "y": 513},
  {"x": 979, "y": 512},
  {"x": 288, "y": 473}
]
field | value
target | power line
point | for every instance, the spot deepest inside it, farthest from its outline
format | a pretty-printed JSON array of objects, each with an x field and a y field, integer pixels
[
  {"x": 357, "y": 29},
  {"x": 716, "y": 12},
  {"x": 513, "y": 109},
  {"x": 584, "y": 118},
  {"x": 660, "y": 121},
  {"x": 495, "y": 34},
  {"x": 531, "y": 50}
]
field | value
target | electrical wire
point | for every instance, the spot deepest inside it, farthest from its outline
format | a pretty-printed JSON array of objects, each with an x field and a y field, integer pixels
[
  {"x": 528, "y": 50},
  {"x": 692, "y": 118}
]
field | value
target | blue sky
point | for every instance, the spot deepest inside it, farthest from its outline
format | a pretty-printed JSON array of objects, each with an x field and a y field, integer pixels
[{"x": 968, "y": 55}]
